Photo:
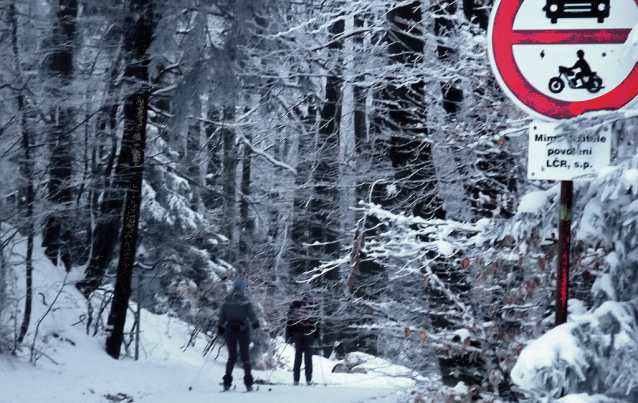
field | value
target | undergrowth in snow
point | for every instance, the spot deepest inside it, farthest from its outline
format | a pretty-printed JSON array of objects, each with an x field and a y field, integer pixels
[{"x": 60, "y": 363}]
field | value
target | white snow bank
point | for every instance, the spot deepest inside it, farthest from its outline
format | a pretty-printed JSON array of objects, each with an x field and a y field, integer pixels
[
  {"x": 445, "y": 248},
  {"x": 74, "y": 368},
  {"x": 584, "y": 398},
  {"x": 583, "y": 353},
  {"x": 592, "y": 221},
  {"x": 534, "y": 202},
  {"x": 380, "y": 369},
  {"x": 559, "y": 344}
]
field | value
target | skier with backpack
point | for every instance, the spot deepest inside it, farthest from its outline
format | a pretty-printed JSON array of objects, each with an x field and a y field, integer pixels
[
  {"x": 302, "y": 328},
  {"x": 236, "y": 317}
]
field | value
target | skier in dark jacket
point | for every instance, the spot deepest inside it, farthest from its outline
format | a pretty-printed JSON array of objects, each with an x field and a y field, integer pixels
[
  {"x": 236, "y": 317},
  {"x": 302, "y": 327}
]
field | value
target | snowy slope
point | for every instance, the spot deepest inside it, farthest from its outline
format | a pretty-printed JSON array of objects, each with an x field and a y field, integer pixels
[{"x": 72, "y": 366}]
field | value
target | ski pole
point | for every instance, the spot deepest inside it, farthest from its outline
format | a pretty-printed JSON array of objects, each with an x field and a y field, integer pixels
[
  {"x": 275, "y": 366},
  {"x": 202, "y": 367},
  {"x": 210, "y": 345},
  {"x": 321, "y": 368},
  {"x": 192, "y": 338},
  {"x": 219, "y": 350}
]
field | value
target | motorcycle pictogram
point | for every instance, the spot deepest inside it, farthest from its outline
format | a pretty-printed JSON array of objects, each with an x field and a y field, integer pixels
[{"x": 583, "y": 79}]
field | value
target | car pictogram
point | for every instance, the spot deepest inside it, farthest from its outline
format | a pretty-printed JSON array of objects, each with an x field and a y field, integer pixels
[{"x": 555, "y": 9}]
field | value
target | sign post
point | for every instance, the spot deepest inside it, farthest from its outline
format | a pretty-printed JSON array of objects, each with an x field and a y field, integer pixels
[
  {"x": 564, "y": 241},
  {"x": 552, "y": 156},
  {"x": 557, "y": 59}
]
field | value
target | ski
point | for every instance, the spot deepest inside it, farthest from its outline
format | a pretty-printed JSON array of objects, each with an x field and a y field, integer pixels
[{"x": 234, "y": 387}]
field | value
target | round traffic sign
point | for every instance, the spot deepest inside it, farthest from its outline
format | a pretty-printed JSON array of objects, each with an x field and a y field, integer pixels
[{"x": 560, "y": 58}]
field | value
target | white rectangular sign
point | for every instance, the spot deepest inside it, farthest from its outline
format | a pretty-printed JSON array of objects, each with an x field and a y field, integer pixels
[{"x": 552, "y": 157}]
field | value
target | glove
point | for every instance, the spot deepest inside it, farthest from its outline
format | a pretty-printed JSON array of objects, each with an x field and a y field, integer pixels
[
  {"x": 220, "y": 330},
  {"x": 256, "y": 325}
]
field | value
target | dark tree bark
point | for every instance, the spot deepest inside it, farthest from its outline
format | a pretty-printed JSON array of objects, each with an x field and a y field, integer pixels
[
  {"x": 138, "y": 37},
  {"x": 325, "y": 200},
  {"x": 56, "y": 234},
  {"x": 405, "y": 112},
  {"x": 300, "y": 234},
  {"x": 26, "y": 168},
  {"x": 324, "y": 205},
  {"x": 443, "y": 25},
  {"x": 246, "y": 222},
  {"x": 229, "y": 185},
  {"x": 478, "y": 11},
  {"x": 105, "y": 235},
  {"x": 359, "y": 94}
]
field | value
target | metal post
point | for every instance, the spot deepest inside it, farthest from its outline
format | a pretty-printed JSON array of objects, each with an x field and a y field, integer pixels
[
  {"x": 139, "y": 315},
  {"x": 564, "y": 238}
]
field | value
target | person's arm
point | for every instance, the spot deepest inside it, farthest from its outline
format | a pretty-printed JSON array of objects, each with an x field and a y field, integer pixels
[
  {"x": 576, "y": 65},
  {"x": 221, "y": 324},
  {"x": 315, "y": 320},
  {"x": 252, "y": 317},
  {"x": 290, "y": 330}
]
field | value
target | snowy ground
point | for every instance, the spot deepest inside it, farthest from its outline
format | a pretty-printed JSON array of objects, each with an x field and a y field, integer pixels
[
  {"x": 72, "y": 367},
  {"x": 92, "y": 380}
]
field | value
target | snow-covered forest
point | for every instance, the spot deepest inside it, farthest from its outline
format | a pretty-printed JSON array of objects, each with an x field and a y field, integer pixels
[{"x": 154, "y": 151}]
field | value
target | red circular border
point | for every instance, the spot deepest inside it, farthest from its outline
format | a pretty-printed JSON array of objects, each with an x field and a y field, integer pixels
[{"x": 521, "y": 89}]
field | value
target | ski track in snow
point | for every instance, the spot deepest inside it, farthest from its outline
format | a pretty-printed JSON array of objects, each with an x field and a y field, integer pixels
[
  {"x": 169, "y": 382},
  {"x": 74, "y": 367}
]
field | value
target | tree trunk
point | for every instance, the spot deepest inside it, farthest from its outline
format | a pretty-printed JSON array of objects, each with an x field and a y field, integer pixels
[
  {"x": 360, "y": 121},
  {"x": 451, "y": 162},
  {"x": 410, "y": 153},
  {"x": 56, "y": 234},
  {"x": 108, "y": 216},
  {"x": 229, "y": 219},
  {"x": 138, "y": 37},
  {"x": 246, "y": 222},
  {"x": 27, "y": 173},
  {"x": 3, "y": 275},
  {"x": 324, "y": 206}
]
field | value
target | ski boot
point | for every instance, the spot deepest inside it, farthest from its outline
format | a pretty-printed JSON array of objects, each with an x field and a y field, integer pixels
[
  {"x": 248, "y": 381},
  {"x": 228, "y": 380}
]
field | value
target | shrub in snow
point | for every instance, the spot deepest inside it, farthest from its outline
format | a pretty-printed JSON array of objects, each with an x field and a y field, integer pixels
[
  {"x": 595, "y": 353},
  {"x": 594, "y": 357}
]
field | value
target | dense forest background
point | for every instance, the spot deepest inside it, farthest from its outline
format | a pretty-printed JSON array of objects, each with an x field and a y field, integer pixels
[{"x": 361, "y": 146}]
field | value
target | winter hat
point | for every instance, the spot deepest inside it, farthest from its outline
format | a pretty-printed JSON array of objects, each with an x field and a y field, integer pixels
[{"x": 239, "y": 284}]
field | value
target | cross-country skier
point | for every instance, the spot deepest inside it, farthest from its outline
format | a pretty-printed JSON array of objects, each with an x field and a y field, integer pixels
[
  {"x": 236, "y": 317},
  {"x": 302, "y": 327}
]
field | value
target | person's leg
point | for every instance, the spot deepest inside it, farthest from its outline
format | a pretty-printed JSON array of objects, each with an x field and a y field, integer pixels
[
  {"x": 244, "y": 346},
  {"x": 296, "y": 368},
  {"x": 231, "y": 344},
  {"x": 308, "y": 339}
]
